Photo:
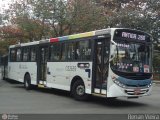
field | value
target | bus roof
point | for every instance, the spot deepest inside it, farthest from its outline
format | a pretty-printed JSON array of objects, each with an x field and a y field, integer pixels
[{"x": 71, "y": 37}]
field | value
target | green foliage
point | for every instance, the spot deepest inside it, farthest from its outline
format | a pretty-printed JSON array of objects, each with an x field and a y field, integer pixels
[
  {"x": 4, "y": 45},
  {"x": 156, "y": 60},
  {"x": 85, "y": 16},
  {"x": 37, "y": 19}
]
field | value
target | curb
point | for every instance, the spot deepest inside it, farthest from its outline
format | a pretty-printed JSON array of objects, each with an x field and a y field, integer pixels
[{"x": 156, "y": 81}]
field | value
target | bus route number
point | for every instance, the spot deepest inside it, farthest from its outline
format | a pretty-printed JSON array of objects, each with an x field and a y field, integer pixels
[{"x": 70, "y": 68}]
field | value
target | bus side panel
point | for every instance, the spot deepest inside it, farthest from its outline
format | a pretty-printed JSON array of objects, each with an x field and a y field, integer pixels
[
  {"x": 57, "y": 76},
  {"x": 17, "y": 71},
  {"x": 60, "y": 75},
  {"x": 31, "y": 68},
  {"x": 13, "y": 71},
  {"x": 83, "y": 72}
]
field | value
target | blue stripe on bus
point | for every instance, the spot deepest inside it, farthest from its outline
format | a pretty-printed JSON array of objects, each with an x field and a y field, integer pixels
[
  {"x": 63, "y": 38},
  {"x": 130, "y": 82}
]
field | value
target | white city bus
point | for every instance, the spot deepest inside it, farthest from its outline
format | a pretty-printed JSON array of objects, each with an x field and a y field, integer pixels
[{"x": 110, "y": 63}]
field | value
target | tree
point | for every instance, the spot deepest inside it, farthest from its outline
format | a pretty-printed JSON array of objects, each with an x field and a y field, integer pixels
[
  {"x": 10, "y": 32},
  {"x": 85, "y": 16},
  {"x": 37, "y": 19},
  {"x": 21, "y": 15},
  {"x": 52, "y": 13}
]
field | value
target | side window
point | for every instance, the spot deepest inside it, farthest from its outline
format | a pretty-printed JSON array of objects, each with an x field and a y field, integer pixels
[
  {"x": 25, "y": 54},
  {"x": 18, "y": 54},
  {"x": 83, "y": 50},
  {"x": 33, "y": 54},
  {"x": 70, "y": 51},
  {"x": 77, "y": 54},
  {"x": 13, "y": 55},
  {"x": 106, "y": 52},
  {"x": 63, "y": 52},
  {"x": 55, "y": 52}
]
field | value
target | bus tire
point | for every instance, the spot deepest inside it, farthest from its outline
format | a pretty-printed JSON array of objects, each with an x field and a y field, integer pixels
[
  {"x": 27, "y": 82},
  {"x": 78, "y": 91}
]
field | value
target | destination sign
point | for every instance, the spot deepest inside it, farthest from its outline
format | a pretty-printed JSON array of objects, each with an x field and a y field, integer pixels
[{"x": 131, "y": 35}]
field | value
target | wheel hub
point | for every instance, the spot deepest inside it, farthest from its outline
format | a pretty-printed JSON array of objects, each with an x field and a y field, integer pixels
[{"x": 80, "y": 90}]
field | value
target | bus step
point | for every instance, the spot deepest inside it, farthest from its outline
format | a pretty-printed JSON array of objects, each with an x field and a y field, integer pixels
[
  {"x": 99, "y": 95},
  {"x": 41, "y": 86}
]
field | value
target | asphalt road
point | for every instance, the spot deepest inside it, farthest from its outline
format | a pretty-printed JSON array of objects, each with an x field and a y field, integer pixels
[{"x": 15, "y": 99}]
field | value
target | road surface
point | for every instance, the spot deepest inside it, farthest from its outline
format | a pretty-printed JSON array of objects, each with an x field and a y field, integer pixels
[{"x": 15, "y": 99}]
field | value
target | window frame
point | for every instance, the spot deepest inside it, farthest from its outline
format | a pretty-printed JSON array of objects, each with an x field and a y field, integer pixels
[
  {"x": 21, "y": 52},
  {"x": 74, "y": 41},
  {"x": 24, "y": 48},
  {"x": 30, "y": 56},
  {"x": 10, "y": 56}
]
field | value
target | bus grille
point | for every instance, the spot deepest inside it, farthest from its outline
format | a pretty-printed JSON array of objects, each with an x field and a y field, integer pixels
[
  {"x": 136, "y": 85},
  {"x": 136, "y": 92}
]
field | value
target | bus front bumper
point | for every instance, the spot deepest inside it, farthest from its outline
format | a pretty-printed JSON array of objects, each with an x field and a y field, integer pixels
[{"x": 116, "y": 91}]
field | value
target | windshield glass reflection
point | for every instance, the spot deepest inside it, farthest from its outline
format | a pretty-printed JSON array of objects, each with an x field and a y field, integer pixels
[{"x": 132, "y": 57}]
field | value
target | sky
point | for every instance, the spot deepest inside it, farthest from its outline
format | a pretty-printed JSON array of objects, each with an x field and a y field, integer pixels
[{"x": 4, "y": 4}]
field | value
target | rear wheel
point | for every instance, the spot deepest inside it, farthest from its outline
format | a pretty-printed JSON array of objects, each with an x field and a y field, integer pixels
[
  {"x": 27, "y": 82},
  {"x": 78, "y": 91}
]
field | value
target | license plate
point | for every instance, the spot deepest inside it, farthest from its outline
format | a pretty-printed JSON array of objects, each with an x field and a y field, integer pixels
[{"x": 137, "y": 91}]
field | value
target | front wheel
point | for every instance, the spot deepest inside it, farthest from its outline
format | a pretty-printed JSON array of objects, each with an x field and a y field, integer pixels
[
  {"x": 27, "y": 82},
  {"x": 78, "y": 91}
]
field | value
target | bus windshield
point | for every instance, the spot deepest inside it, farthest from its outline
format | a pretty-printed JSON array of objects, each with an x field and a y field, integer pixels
[{"x": 132, "y": 58}]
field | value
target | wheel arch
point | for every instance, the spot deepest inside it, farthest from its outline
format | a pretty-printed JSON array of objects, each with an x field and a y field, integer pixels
[
  {"x": 74, "y": 79},
  {"x": 27, "y": 73},
  {"x": 27, "y": 81}
]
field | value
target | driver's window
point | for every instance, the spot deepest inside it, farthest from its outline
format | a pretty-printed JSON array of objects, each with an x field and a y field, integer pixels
[{"x": 123, "y": 52}]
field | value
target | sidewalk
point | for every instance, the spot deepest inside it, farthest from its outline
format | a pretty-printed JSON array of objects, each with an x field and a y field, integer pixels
[{"x": 156, "y": 81}]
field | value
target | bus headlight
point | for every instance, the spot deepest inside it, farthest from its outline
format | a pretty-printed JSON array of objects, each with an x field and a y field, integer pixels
[{"x": 149, "y": 85}]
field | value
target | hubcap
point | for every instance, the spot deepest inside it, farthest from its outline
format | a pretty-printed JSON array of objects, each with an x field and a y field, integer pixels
[{"x": 80, "y": 90}]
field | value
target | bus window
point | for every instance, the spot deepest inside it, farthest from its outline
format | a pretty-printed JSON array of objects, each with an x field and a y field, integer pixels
[
  {"x": 25, "y": 54},
  {"x": 63, "y": 52},
  {"x": 70, "y": 51},
  {"x": 77, "y": 54},
  {"x": 131, "y": 57},
  {"x": 13, "y": 55},
  {"x": 83, "y": 50},
  {"x": 55, "y": 52},
  {"x": 33, "y": 54},
  {"x": 18, "y": 54}
]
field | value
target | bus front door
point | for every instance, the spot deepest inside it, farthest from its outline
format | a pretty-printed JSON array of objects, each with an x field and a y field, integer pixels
[
  {"x": 42, "y": 65},
  {"x": 101, "y": 66}
]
